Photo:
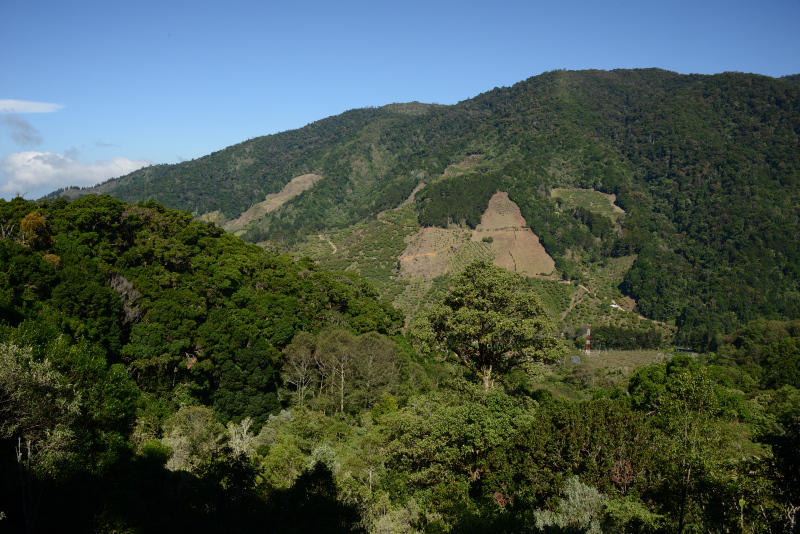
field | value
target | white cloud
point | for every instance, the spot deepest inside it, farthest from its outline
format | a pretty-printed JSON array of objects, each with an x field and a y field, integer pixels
[
  {"x": 32, "y": 171},
  {"x": 25, "y": 106}
]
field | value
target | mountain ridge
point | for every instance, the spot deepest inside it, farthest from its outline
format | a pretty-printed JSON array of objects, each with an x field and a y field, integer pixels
[{"x": 705, "y": 166}]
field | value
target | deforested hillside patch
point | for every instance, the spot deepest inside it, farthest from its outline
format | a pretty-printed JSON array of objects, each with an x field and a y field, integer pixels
[
  {"x": 273, "y": 201},
  {"x": 430, "y": 252},
  {"x": 413, "y": 195},
  {"x": 434, "y": 255},
  {"x": 469, "y": 163},
  {"x": 513, "y": 244},
  {"x": 370, "y": 249}
]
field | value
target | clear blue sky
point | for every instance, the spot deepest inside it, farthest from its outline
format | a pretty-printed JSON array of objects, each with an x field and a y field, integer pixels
[{"x": 91, "y": 90}]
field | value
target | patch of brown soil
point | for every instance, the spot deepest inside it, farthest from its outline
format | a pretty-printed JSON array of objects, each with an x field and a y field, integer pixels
[
  {"x": 515, "y": 246},
  {"x": 433, "y": 252},
  {"x": 273, "y": 201},
  {"x": 627, "y": 303},
  {"x": 613, "y": 199}
]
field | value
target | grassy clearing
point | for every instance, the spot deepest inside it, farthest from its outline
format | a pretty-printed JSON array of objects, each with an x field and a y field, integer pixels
[
  {"x": 608, "y": 370},
  {"x": 622, "y": 360},
  {"x": 601, "y": 203}
]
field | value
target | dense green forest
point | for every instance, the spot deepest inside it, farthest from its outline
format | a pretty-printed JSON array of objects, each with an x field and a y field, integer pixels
[
  {"x": 705, "y": 167},
  {"x": 158, "y": 374}
]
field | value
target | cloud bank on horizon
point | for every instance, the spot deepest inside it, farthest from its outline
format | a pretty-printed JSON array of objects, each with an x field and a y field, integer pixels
[{"x": 39, "y": 173}]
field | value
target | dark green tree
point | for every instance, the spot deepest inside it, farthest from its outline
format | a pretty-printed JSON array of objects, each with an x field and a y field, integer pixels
[{"x": 490, "y": 323}]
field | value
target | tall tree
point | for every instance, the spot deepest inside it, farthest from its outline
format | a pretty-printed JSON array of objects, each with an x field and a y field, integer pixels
[{"x": 490, "y": 323}]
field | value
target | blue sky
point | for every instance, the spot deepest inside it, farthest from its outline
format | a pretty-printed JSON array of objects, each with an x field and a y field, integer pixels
[{"x": 91, "y": 90}]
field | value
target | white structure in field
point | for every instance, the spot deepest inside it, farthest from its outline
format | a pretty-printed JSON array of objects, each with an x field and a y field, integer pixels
[{"x": 588, "y": 335}]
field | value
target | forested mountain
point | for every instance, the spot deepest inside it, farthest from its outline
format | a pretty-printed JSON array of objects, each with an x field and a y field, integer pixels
[
  {"x": 159, "y": 374},
  {"x": 375, "y": 362},
  {"x": 705, "y": 167}
]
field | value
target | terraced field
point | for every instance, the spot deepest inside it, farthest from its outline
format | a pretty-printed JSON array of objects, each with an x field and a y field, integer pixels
[
  {"x": 371, "y": 249},
  {"x": 431, "y": 251}
]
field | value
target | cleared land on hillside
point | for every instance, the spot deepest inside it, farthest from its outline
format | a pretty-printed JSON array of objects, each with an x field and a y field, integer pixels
[
  {"x": 430, "y": 252},
  {"x": 467, "y": 164},
  {"x": 514, "y": 245},
  {"x": 435, "y": 254},
  {"x": 273, "y": 201}
]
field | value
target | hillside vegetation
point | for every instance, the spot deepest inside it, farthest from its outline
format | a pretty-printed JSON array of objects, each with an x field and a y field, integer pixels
[
  {"x": 374, "y": 360},
  {"x": 705, "y": 168},
  {"x": 175, "y": 300},
  {"x": 159, "y": 374}
]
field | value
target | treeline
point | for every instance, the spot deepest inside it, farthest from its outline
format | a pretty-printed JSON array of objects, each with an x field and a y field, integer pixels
[
  {"x": 768, "y": 350},
  {"x": 622, "y": 338},
  {"x": 461, "y": 200}
]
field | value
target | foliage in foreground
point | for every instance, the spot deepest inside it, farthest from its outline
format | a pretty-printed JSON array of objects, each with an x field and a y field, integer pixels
[{"x": 362, "y": 433}]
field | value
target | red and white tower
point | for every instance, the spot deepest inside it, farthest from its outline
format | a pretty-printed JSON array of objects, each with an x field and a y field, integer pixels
[{"x": 588, "y": 334}]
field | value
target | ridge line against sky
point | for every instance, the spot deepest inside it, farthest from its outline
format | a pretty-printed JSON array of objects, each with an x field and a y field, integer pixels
[{"x": 95, "y": 90}]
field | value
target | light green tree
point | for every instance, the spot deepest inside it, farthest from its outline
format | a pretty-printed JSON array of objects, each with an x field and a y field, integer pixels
[
  {"x": 284, "y": 462},
  {"x": 195, "y": 437},
  {"x": 37, "y": 409},
  {"x": 490, "y": 322},
  {"x": 579, "y": 511},
  {"x": 689, "y": 414}
]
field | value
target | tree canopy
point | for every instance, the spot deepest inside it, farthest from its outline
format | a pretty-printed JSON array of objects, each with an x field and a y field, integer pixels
[{"x": 489, "y": 323}]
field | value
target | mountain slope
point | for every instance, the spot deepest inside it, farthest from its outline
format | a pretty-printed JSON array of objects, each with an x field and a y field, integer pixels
[{"x": 707, "y": 169}]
